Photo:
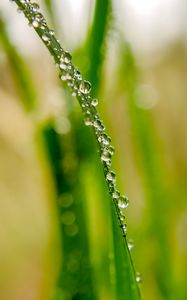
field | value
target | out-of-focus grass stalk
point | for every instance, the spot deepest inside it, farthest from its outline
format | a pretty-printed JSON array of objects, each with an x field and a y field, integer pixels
[
  {"x": 147, "y": 145},
  {"x": 19, "y": 70},
  {"x": 95, "y": 44},
  {"x": 51, "y": 12},
  {"x": 75, "y": 278},
  {"x": 50, "y": 144}
]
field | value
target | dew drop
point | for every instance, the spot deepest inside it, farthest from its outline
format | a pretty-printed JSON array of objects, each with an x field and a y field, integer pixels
[
  {"x": 39, "y": 17},
  {"x": 115, "y": 194},
  {"x": 35, "y": 23},
  {"x": 87, "y": 121},
  {"x": 45, "y": 38},
  {"x": 62, "y": 66},
  {"x": 42, "y": 27},
  {"x": 122, "y": 214},
  {"x": 138, "y": 277},
  {"x": 94, "y": 102},
  {"x": 51, "y": 32},
  {"x": 105, "y": 156},
  {"x": 124, "y": 228},
  {"x": 123, "y": 202},
  {"x": 99, "y": 125},
  {"x": 111, "y": 176},
  {"x": 77, "y": 74},
  {"x": 130, "y": 245},
  {"x": 85, "y": 87},
  {"x": 111, "y": 149},
  {"x": 104, "y": 139},
  {"x": 122, "y": 219},
  {"x": 35, "y": 6},
  {"x": 66, "y": 57},
  {"x": 66, "y": 75}
]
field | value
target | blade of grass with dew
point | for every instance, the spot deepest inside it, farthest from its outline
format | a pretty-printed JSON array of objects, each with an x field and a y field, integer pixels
[
  {"x": 81, "y": 88},
  {"x": 152, "y": 169},
  {"x": 96, "y": 205},
  {"x": 19, "y": 70},
  {"x": 124, "y": 272}
]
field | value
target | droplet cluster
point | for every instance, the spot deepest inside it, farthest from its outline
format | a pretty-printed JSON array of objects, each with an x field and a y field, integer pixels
[{"x": 80, "y": 88}]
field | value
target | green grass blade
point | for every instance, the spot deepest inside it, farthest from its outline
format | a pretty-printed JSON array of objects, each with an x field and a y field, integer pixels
[
  {"x": 75, "y": 278},
  {"x": 96, "y": 41},
  {"x": 147, "y": 145},
  {"x": 51, "y": 12}
]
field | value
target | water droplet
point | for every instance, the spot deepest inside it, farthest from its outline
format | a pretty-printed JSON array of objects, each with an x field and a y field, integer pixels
[
  {"x": 130, "y": 244},
  {"x": 123, "y": 202},
  {"x": 99, "y": 125},
  {"x": 111, "y": 149},
  {"x": 111, "y": 176},
  {"x": 45, "y": 38},
  {"x": 65, "y": 57},
  {"x": 62, "y": 66},
  {"x": 35, "y": 6},
  {"x": 39, "y": 17},
  {"x": 105, "y": 156},
  {"x": 115, "y": 194},
  {"x": 35, "y": 23},
  {"x": 124, "y": 228},
  {"x": 122, "y": 219},
  {"x": 77, "y": 74},
  {"x": 122, "y": 213},
  {"x": 87, "y": 121},
  {"x": 94, "y": 102},
  {"x": 51, "y": 32},
  {"x": 66, "y": 75},
  {"x": 68, "y": 218},
  {"x": 138, "y": 277},
  {"x": 85, "y": 87},
  {"x": 104, "y": 139}
]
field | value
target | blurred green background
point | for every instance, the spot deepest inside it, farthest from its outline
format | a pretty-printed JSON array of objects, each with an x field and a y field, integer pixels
[{"x": 55, "y": 224}]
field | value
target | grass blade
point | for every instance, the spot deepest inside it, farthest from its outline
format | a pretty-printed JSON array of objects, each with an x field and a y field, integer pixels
[
  {"x": 96, "y": 41},
  {"x": 146, "y": 143}
]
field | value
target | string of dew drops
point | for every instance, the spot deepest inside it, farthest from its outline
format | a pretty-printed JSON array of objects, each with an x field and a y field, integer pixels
[{"x": 81, "y": 89}]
